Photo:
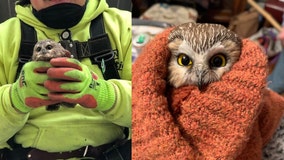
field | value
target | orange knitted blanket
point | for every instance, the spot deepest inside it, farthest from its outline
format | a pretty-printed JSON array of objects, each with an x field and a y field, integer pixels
[{"x": 233, "y": 119}]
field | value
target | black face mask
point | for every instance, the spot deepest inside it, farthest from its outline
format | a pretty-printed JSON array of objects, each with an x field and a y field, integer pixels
[{"x": 61, "y": 16}]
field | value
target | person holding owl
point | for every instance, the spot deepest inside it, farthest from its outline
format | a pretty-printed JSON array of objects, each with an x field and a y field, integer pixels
[{"x": 97, "y": 125}]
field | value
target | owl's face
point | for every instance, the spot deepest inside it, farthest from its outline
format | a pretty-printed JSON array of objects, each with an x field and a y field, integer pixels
[
  {"x": 201, "y": 54},
  {"x": 44, "y": 50}
]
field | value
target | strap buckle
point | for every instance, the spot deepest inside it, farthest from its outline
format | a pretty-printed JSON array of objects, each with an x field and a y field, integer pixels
[
  {"x": 85, "y": 151},
  {"x": 103, "y": 57},
  {"x": 24, "y": 60}
]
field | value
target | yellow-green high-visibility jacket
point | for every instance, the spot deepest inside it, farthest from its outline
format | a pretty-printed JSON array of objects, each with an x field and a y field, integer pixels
[{"x": 68, "y": 128}]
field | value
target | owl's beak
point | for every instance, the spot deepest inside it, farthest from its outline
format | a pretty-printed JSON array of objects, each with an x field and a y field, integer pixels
[
  {"x": 43, "y": 51},
  {"x": 200, "y": 77}
]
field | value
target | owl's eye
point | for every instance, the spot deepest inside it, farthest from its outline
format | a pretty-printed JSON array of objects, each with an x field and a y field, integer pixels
[
  {"x": 218, "y": 60},
  {"x": 184, "y": 60},
  {"x": 49, "y": 47},
  {"x": 38, "y": 49}
]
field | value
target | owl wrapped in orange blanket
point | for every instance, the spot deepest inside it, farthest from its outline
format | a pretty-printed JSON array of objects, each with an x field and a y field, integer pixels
[{"x": 231, "y": 118}]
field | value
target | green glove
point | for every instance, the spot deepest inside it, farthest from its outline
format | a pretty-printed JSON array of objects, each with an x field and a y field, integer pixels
[
  {"x": 28, "y": 91},
  {"x": 73, "y": 82}
]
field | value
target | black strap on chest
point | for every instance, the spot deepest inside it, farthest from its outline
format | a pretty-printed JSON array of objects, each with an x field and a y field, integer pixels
[
  {"x": 97, "y": 48},
  {"x": 28, "y": 40}
]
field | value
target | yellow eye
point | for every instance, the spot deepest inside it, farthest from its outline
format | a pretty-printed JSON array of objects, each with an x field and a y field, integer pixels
[
  {"x": 218, "y": 60},
  {"x": 184, "y": 60}
]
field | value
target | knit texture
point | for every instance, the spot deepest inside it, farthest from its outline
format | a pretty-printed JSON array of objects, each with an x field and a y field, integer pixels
[{"x": 217, "y": 123}]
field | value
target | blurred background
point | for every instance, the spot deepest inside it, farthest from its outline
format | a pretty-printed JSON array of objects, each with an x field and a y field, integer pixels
[{"x": 258, "y": 20}]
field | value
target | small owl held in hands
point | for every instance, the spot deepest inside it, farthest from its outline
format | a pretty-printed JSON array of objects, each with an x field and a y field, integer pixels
[
  {"x": 201, "y": 53},
  {"x": 45, "y": 50}
]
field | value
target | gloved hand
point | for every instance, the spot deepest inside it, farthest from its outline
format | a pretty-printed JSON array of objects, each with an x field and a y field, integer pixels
[
  {"x": 28, "y": 91},
  {"x": 73, "y": 82}
]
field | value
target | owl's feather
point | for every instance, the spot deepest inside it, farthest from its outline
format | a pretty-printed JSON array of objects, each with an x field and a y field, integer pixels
[{"x": 201, "y": 53}]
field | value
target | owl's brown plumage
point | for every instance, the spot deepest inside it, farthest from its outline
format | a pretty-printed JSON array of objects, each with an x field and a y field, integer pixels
[
  {"x": 201, "y": 53},
  {"x": 45, "y": 50}
]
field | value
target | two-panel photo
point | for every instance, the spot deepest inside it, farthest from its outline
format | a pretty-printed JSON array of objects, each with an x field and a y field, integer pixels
[{"x": 141, "y": 80}]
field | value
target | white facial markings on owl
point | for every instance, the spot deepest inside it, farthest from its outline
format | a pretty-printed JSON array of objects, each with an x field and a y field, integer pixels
[{"x": 201, "y": 54}]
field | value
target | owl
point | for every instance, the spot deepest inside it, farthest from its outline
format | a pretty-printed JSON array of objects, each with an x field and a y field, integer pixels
[
  {"x": 45, "y": 50},
  {"x": 201, "y": 53}
]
